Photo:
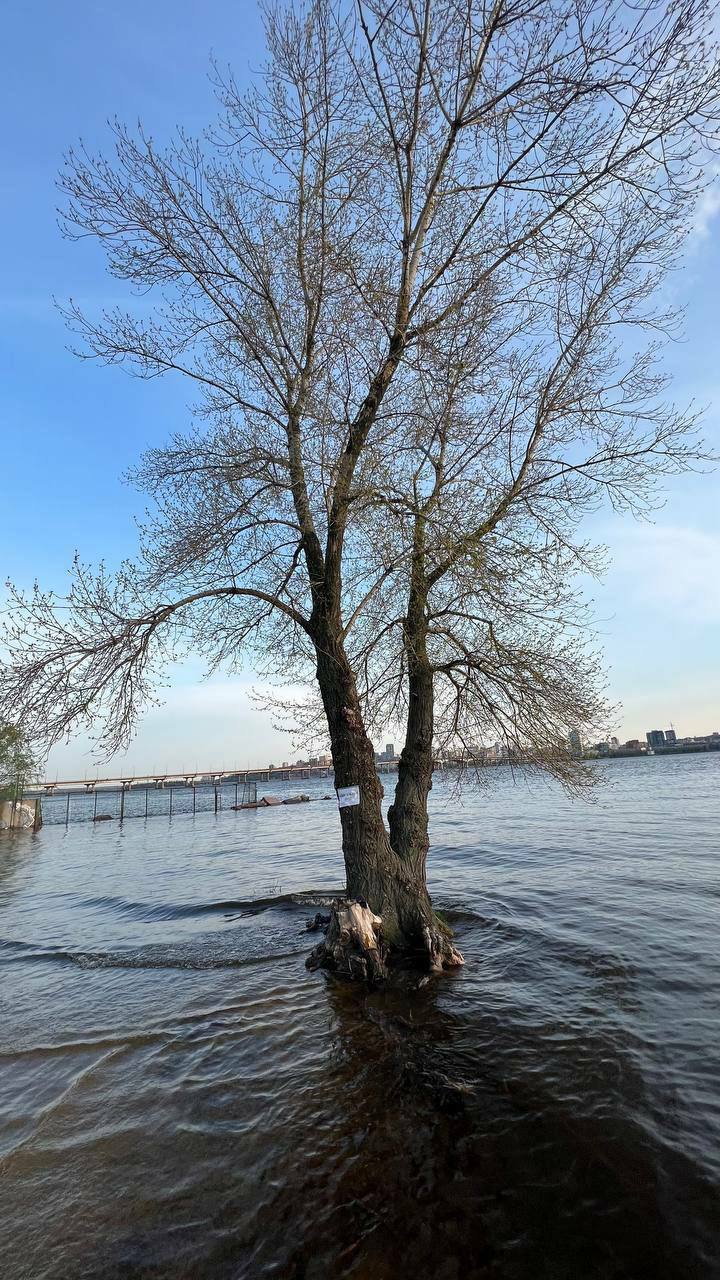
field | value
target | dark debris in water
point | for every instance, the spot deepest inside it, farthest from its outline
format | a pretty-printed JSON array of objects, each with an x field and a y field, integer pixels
[{"x": 319, "y": 921}]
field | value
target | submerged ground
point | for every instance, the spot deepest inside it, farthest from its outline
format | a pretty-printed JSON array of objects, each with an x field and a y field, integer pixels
[{"x": 180, "y": 1098}]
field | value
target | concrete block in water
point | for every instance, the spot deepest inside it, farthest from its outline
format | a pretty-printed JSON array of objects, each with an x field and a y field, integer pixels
[{"x": 16, "y": 815}]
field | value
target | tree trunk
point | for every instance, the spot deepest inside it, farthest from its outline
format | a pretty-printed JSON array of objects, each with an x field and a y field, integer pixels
[
  {"x": 408, "y": 814},
  {"x": 383, "y": 878}
]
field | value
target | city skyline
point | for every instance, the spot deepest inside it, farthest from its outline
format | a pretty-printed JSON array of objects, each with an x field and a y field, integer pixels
[{"x": 298, "y": 758}]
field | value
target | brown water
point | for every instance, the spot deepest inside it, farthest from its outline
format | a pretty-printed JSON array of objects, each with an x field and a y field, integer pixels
[{"x": 179, "y": 1097}]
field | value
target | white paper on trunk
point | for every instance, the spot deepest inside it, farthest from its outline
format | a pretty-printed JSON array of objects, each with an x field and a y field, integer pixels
[{"x": 348, "y": 796}]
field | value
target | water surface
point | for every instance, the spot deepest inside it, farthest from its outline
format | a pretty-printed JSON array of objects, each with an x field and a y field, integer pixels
[{"x": 179, "y": 1097}]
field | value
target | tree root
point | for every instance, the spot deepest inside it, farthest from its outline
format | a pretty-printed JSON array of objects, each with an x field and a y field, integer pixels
[
  {"x": 354, "y": 945},
  {"x": 440, "y": 951}
]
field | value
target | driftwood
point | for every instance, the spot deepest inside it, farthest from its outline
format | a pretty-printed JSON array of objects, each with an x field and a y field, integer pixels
[{"x": 353, "y": 943}]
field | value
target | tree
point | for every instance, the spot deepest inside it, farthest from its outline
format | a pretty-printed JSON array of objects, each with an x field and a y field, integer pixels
[
  {"x": 413, "y": 274},
  {"x": 17, "y": 765}
]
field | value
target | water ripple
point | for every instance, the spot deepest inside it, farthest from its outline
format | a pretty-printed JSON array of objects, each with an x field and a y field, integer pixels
[{"x": 180, "y": 1098}]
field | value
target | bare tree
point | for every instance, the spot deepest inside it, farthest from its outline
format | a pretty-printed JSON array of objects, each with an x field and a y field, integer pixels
[{"x": 413, "y": 274}]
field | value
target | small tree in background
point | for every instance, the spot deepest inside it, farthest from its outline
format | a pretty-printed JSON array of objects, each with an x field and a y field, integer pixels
[
  {"x": 411, "y": 275},
  {"x": 17, "y": 762}
]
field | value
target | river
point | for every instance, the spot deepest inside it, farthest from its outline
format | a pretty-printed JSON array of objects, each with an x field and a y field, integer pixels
[{"x": 179, "y": 1097}]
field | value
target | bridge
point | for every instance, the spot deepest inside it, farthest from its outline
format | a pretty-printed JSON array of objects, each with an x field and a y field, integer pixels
[
  {"x": 196, "y": 778},
  {"x": 187, "y": 791}
]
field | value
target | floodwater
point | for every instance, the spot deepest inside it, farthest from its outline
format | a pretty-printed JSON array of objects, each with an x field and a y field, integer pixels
[{"x": 179, "y": 1097}]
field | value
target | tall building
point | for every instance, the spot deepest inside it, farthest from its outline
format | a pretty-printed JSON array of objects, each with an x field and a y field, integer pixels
[
  {"x": 389, "y": 750},
  {"x": 655, "y": 738},
  {"x": 670, "y": 736},
  {"x": 575, "y": 742}
]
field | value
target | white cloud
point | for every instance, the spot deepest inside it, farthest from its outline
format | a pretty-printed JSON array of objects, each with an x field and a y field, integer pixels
[
  {"x": 671, "y": 569},
  {"x": 708, "y": 207},
  {"x": 211, "y": 724}
]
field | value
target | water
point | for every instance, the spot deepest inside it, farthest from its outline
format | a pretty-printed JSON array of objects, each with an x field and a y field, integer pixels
[{"x": 179, "y": 1097}]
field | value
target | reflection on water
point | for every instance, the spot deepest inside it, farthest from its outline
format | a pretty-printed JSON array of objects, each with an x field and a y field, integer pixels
[{"x": 180, "y": 1098}]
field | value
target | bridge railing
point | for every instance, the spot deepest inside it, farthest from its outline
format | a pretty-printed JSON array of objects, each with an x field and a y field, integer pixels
[{"x": 144, "y": 801}]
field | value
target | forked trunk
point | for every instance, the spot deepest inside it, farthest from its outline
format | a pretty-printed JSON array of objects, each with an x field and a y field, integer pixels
[{"x": 389, "y": 881}]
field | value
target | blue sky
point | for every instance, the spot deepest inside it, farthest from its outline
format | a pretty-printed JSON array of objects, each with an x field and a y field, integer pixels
[{"x": 71, "y": 428}]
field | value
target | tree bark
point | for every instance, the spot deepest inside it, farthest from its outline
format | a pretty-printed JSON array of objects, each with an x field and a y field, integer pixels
[
  {"x": 389, "y": 880},
  {"x": 408, "y": 815}
]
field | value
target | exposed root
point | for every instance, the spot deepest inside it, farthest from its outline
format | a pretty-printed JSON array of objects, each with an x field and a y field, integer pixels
[
  {"x": 353, "y": 943},
  {"x": 440, "y": 951}
]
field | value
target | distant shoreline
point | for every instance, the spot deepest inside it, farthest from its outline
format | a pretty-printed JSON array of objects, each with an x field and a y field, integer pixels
[
  {"x": 691, "y": 749},
  {"x": 297, "y": 774}
]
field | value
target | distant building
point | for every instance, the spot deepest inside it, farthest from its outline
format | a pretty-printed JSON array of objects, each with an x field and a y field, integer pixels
[
  {"x": 614, "y": 744},
  {"x": 575, "y": 742},
  {"x": 655, "y": 738},
  {"x": 602, "y": 748},
  {"x": 670, "y": 737},
  {"x": 389, "y": 750}
]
